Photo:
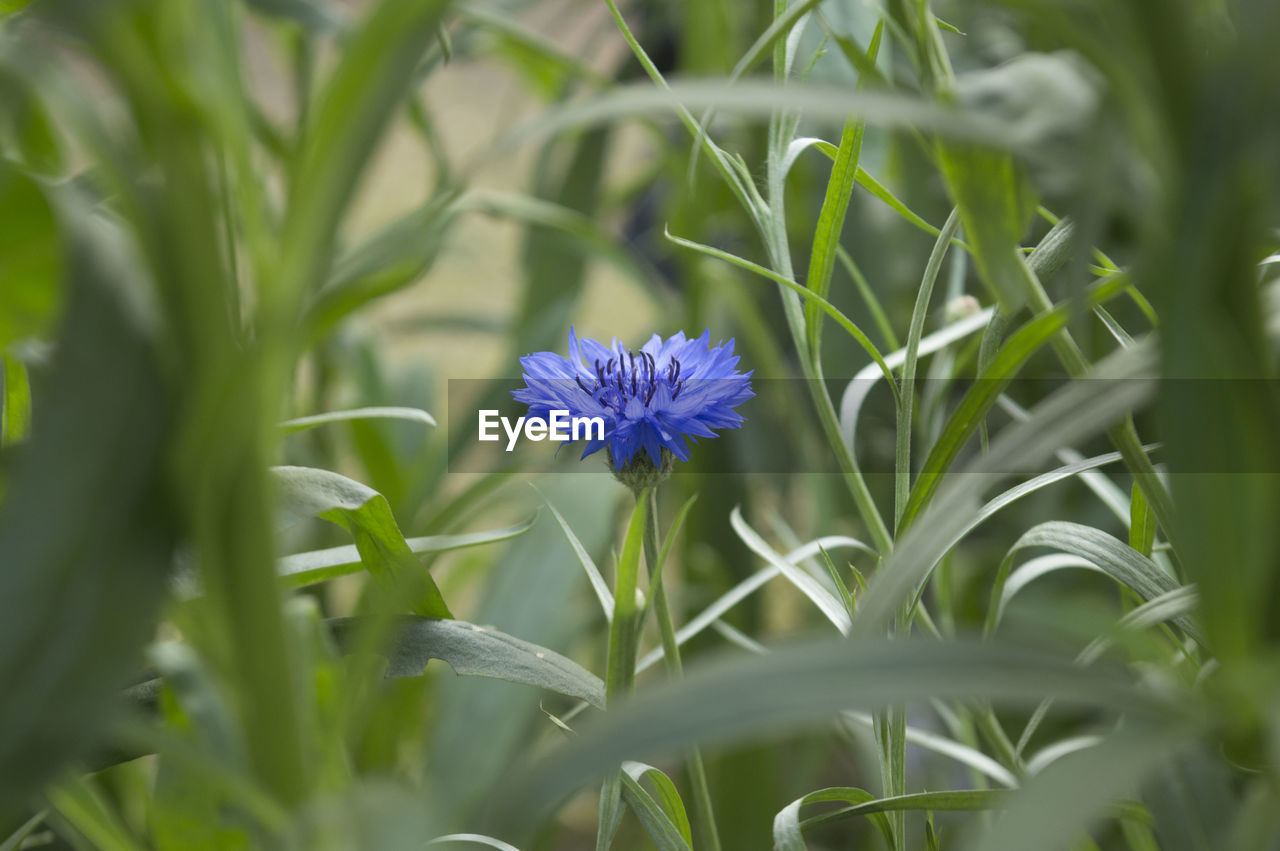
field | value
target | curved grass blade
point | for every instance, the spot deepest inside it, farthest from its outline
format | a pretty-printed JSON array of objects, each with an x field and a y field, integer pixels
[
  {"x": 1170, "y": 606},
  {"x": 826, "y": 602},
  {"x": 949, "y": 748},
  {"x": 1106, "y": 490},
  {"x": 1027, "y": 573},
  {"x": 712, "y": 613},
  {"x": 1013, "y": 494},
  {"x": 1112, "y": 556},
  {"x": 856, "y": 391},
  {"x": 366, "y": 514},
  {"x": 477, "y": 651},
  {"x": 596, "y": 579},
  {"x": 787, "y": 831},
  {"x": 962, "y": 800},
  {"x": 377, "y": 413},
  {"x": 831, "y": 310},
  {"x": 724, "y": 701},
  {"x": 474, "y": 839},
  {"x": 1050, "y": 754},
  {"x": 308, "y": 568},
  {"x": 1079, "y": 410},
  {"x": 663, "y": 817},
  {"x": 989, "y": 386},
  {"x": 869, "y": 297},
  {"x": 16, "y": 839},
  {"x": 1073, "y": 793},
  {"x": 749, "y": 100}
]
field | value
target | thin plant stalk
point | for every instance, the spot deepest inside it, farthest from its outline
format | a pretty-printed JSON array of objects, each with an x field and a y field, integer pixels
[
  {"x": 704, "y": 812},
  {"x": 620, "y": 671}
]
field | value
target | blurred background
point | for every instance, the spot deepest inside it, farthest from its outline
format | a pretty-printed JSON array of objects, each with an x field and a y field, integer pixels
[{"x": 223, "y": 217}]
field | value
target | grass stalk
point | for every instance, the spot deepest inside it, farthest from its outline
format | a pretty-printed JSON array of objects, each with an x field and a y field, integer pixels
[
  {"x": 704, "y": 812},
  {"x": 620, "y": 672}
]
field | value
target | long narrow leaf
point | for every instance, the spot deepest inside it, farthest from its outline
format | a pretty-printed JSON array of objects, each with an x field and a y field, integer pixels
[
  {"x": 384, "y": 413},
  {"x": 315, "y": 566}
]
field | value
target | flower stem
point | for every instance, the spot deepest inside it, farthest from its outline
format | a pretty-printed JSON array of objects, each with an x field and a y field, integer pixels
[
  {"x": 704, "y": 814},
  {"x": 620, "y": 671}
]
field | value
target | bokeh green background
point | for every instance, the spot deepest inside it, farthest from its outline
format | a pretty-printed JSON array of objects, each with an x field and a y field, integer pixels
[{"x": 219, "y": 217}]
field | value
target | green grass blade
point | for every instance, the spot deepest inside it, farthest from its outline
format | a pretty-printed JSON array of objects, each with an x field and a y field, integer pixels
[
  {"x": 89, "y": 814},
  {"x": 902, "y": 461},
  {"x": 15, "y": 840},
  {"x": 15, "y": 401},
  {"x": 367, "y": 515},
  {"x": 657, "y": 588},
  {"x": 1112, "y": 556},
  {"x": 372, "y": 78},
  {"x": 787, "y": 831},
  {"x": 868, "y": 295},
  {"x": 1142, "y": 522},
  {"x": 474, "y": 839},
  {"x": 1073, "y": 793},
  {"x": 594, "y": 576},
  {"x": 856, "y": 391},
  {"x": 835, "y": 205},
  {"x": 992, "y": 196},
  {"x": 843, "y": 321},
  {"x": 478, "y": 651},
  {"x": 987, "y": 388},
  {"x": 726, "y": 601},
  {"x": 950, "y": 748},
  {"x": 750, "y": 100},
  {"x": 663, "y": 816},
  {"x": 826, "y": 602},
  {"x": 308, "y": 568},
  {"x": 389, "y": 260},
  {"x": 724, "y": 702},
  {"x": 384, "y": 413},
  {"x": 962, "y": 800},
  {"x": 1076, "y": 411}
]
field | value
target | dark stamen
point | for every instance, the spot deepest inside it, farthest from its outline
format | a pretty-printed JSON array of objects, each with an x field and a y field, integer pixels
[
  {"x": 679, "y": 387},
  {"x": 583, "y": 386}
]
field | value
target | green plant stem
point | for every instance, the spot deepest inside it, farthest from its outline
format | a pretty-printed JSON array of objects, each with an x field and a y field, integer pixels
[
  {"x": 704, "y": 813},
  {"x": 890, "y": 725},
  {"x": 620, "y": 672},
  {"x": 1123, "y": 436}
]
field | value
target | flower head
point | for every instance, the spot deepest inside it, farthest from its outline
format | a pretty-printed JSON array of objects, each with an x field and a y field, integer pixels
[{"x": 651, "y": 399}]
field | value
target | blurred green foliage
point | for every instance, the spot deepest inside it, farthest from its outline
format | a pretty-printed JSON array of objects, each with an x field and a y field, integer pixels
[{"x": 215, "y": 631}]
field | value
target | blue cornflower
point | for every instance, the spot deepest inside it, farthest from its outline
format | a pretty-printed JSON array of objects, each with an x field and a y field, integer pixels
[{"x": 651, "y": 399}]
